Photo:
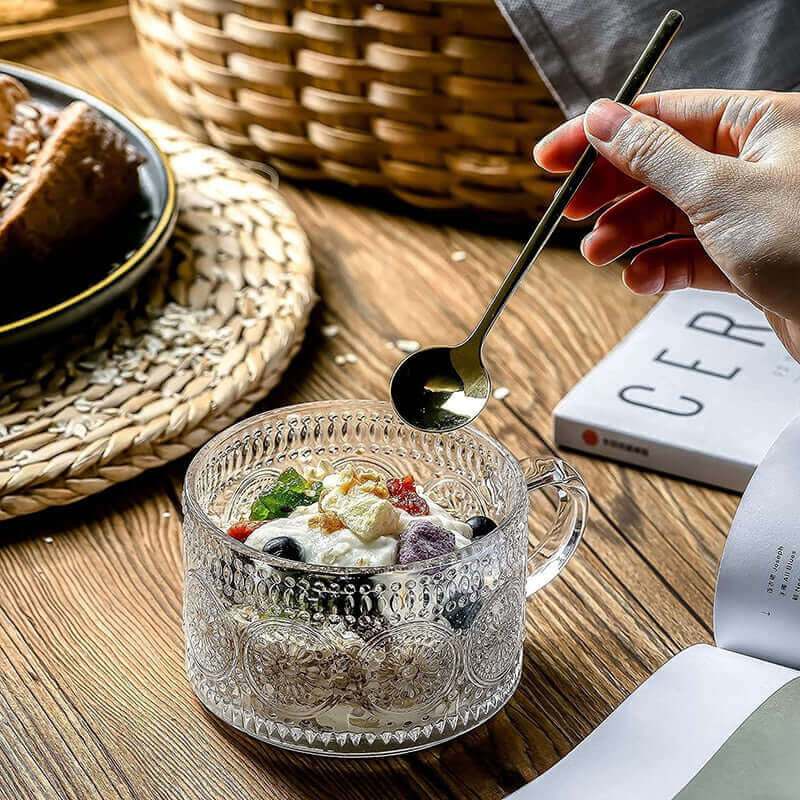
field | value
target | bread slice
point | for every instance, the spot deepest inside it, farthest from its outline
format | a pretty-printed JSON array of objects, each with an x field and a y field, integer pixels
[{"x": 84, "y": 174}]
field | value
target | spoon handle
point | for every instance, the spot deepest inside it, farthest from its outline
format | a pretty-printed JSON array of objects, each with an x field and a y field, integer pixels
[{"x": 630, "y": 90}]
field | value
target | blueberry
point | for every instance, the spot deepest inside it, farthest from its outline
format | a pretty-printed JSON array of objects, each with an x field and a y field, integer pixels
[
  {"x": 463, "y": 615},
  {"x": 481, "y": 526},
  {"x": 284, "y": 547}
]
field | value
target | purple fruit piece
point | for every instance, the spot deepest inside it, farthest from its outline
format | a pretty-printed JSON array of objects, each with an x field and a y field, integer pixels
[{"x": 423, "y": 539}]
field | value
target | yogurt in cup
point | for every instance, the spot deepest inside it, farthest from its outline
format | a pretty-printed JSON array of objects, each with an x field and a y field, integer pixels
[{"x": 365, "y": 661}]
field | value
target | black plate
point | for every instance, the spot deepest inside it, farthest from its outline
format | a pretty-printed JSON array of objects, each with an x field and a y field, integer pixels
[{"x": 102, "y": 270}]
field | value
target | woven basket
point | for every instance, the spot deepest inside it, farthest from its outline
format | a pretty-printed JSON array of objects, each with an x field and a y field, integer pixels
[
  {"x": 39, "y": 17},
  {"x": 183, "y": 355},
  {"x": 435, "y": 101}
]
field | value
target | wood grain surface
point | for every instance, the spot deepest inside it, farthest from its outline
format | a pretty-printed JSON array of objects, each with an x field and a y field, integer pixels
[{"x": 93, "y": 699}]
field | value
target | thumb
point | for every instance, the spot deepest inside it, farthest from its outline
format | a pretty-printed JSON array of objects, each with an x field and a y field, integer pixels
[{"x": 653, "y": 153}]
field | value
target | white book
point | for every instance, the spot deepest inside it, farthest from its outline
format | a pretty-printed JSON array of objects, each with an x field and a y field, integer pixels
[
  {"x": 699, "y": 389},
  {"x": 716, "y": 723}
]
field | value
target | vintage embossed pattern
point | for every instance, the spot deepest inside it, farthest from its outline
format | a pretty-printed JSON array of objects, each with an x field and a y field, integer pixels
[{"x": 353, "y": 661}]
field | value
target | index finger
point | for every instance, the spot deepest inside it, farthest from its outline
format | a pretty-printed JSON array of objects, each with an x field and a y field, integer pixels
[
  {"x": 560, "y": 149},
  {"x": 704, "y": 116}
]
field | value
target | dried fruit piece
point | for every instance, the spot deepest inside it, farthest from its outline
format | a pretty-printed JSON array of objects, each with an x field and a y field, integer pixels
[
  {"x": 422, "y": 539},
  {"x": 400, "y": 486},
  {"x": 404, "y": 495},
  {"x": 241, "y": 530},
  {"x": 327, "y": 523},
  {"x": 413, "y": 504},
  {"x": 289, "y": 492}
]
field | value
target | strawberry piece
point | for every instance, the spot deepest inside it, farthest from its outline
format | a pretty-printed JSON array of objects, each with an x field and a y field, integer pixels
[{"x": 241, "y": 530}]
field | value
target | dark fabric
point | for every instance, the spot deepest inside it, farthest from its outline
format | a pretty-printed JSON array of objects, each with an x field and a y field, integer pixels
[{"x": 584, "y": 48}]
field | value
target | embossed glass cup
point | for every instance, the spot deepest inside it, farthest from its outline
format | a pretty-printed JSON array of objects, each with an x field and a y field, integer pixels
[{"x": 365, "y": 661}]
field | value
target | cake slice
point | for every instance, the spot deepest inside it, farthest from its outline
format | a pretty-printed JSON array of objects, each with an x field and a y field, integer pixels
[{"x": 80, "y": 175}]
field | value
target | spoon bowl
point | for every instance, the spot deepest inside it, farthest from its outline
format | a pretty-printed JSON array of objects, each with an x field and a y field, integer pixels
[{"x": 441, "y": 388}]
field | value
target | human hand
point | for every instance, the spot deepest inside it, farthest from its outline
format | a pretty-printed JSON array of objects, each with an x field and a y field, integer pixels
[{"x": 719, "y": 170}]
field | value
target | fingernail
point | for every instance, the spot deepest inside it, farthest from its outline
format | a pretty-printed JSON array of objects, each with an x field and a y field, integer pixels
[
  {"x": 604, "y": 118},
  {"x": 537, "y": 148},
  {"x": 584, "y": 242}
]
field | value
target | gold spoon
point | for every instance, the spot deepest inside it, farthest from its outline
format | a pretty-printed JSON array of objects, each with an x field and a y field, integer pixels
[{"x": 444, "y": 388}]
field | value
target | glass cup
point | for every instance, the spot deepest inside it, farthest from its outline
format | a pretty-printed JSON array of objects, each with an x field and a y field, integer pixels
[{"x": 365, "y": 661}]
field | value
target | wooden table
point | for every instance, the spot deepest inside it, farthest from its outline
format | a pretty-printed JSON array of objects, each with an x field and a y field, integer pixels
[{"x": 93, "y": 699}]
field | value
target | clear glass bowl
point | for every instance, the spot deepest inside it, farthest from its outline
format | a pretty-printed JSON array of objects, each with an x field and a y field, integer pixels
[{"x": 364, "y": 661}]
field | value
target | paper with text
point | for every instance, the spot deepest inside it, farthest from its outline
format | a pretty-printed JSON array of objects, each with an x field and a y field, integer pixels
[
  {"x": 700, "y": 388},
  {"x": 757, "y": 602}
]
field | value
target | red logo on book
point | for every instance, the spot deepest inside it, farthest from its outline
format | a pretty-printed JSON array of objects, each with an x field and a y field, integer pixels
[{"x": 590, "y": 437}]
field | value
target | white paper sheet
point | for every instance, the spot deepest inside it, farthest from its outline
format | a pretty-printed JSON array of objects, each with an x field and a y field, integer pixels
[{"x": 656, "y": 741}]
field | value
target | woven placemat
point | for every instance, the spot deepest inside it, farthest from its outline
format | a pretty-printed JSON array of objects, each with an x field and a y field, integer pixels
[{"x": 205, "y": 336}]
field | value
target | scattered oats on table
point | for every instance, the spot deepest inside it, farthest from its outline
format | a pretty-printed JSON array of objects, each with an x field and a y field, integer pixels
[
  {"x": 330, "y": 330},
  {"x": 458, "y": 255},
  {"x": 500, "y": 393},
  {"x": 48, "y": 540},
  {"x": 407, "y": 345},
  {"x": 350, "y": 358},
  {"x": 339, "y": 360}
]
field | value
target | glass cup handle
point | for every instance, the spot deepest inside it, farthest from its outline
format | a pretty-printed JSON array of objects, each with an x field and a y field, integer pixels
[{"x": 571, "y": 511}]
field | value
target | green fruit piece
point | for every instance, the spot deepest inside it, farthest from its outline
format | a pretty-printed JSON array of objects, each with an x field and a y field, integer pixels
[{"x": 289, "y": 492}]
